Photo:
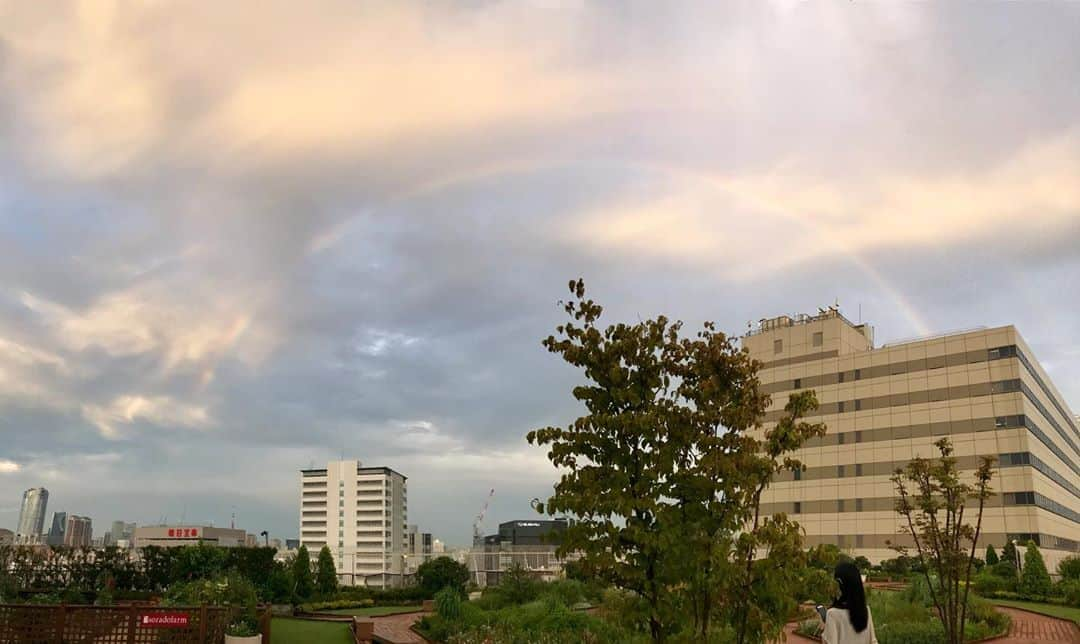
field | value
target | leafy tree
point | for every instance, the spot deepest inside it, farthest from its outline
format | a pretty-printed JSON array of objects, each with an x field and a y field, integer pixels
[
  {"x": 666, "y": 470},
  {"x": 1034, "y": 580},
  {"x": 862, "y": 563},
  {"x": 933, "y": 509},
  {"x": 303, "y": 586},
  {"x": 1069, "y": 568},
  {"x": 991, "y": 555},
  {"x": 442, "y": 572},
  {"x": 201, "y": 561},
  {"x": 278, "y": 584},
  {"x": 326, "y": 574},
  {"x": 255, "y": 563}
]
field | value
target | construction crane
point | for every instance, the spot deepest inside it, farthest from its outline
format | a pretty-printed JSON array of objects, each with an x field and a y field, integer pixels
[{"x": 477, "y": 536}]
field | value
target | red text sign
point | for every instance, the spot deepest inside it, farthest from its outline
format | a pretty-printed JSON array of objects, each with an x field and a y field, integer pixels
[{"x": 165, "y": 620}]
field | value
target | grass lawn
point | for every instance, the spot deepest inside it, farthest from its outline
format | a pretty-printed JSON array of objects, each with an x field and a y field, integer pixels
[
  {"x": 284, "y": 630},
  {"x": 374, "y": 611},
  {"x": 1053, "y": 610}
]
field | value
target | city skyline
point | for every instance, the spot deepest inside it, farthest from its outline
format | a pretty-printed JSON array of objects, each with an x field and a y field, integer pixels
[{"x": 235, "y": 245}]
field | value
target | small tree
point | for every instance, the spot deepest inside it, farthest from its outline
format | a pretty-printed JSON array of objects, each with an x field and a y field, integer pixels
[
  {"x": 862, "y": 563},
  {"x": 442, "y": 572},
  {"x": 1008, "y": 553},
  {"x": 303, "y": 585},
  {"x": 325, "y": 573},
  {"x": 1034, "y": 580},
  {"x": 933, "y": 511},
  {"x": 666, "y": 469},
  {"x": 991, "y": 555}
]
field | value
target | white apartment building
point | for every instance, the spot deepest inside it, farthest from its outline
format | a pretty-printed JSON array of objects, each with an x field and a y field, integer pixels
[{"x": 360, "y": 513}]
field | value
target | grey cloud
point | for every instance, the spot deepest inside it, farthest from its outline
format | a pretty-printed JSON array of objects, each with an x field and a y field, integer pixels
[{"x": 459, "y": 234}]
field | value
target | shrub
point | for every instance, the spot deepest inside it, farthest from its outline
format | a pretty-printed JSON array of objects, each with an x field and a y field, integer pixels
[
  {"x": 986, "y": 582},
  {"x": 991, "y": 555},
  {"x": 518, "y": 586},
  {"x": 1005, "y": 569},
  {"x": 1069, "y": 589},
  {"x": 897, "y": 567},
  {"x": 336, "y": 604},
  {"x": 903, "y": 632},
  {"x": 811, "y": 628},
  {"x": 1069, "y": 568},
  {"x": 448, "y": 604},
  {"x": 383, "y": 597},
  {"x": 233, "y": 590}
]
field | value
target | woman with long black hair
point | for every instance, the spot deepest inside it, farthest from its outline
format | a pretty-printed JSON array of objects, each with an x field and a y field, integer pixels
[{"x": 849, "y": 620}]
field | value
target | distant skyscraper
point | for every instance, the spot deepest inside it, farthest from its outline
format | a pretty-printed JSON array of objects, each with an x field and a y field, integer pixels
[
  {"x": 359, "y": 513},
  {"x": 32, "y": 515},
  {"x": 79, "y": 532},
  {"x": 56, "y": 532}
]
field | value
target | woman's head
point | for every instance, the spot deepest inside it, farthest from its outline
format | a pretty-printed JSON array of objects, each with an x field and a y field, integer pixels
[{"x": 852, "y": 595}]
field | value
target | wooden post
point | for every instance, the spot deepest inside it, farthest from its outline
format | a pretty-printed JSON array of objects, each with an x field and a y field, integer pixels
[
  {"x": 133, "y": 623},
  {"x": 202, "y": 624},
  {"x": 61, "y": 623},
  {"x": 264, "y": 624}
]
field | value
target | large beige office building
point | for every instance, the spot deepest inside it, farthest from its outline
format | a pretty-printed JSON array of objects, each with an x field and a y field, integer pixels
[
  {"x": 360, "y": 513},
  {"x": 884, "y": 406}
]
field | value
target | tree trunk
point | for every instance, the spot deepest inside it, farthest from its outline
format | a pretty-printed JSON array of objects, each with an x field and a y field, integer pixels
[{"x": 656, "y": 630}]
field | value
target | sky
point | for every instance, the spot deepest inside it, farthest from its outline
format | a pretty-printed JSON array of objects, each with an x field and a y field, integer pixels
[{"x": 240, "y": 239}]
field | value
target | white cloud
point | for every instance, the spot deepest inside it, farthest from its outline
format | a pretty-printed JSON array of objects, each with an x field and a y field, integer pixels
[
  {"x": 162, "y": 411},
  {"x": 8, "y": 467},
  {"x": 377, "y": 342},
  {"x": 160, "y": 317},
  {"x": 751, "y": 224}
]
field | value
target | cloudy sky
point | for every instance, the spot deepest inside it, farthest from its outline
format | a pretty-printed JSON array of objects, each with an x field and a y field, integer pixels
[{"x": 237, "y": 239}]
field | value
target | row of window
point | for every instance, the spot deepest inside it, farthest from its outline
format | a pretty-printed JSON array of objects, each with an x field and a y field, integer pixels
[
  {"x": 1020, "y": 459},
  {"x": 1049, "y": 418},
  {"x": 922, "y": 364},
  {"x": 887, "y": 468},
  {"x": 879, "y": 503},
  {"x": 901, "y": 367},
  {"x": 909, "y": 398},
  {"x": 934, "y": 395},
  {"x": 1049, "y": 394}
]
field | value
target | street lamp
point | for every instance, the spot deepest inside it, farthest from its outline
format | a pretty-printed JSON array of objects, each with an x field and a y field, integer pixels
[{"x": 1019, "y": 567}]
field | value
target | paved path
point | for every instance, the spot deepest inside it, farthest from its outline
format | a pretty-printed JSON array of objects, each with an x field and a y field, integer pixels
[
  {"x": 792, "y": 638},
  {"x": 1032, "y": 628},
  {"x": 394, "y": 629},
  {"x": 1027, "y": 628}
]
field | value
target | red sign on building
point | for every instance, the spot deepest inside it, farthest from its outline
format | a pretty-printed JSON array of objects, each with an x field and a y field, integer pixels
[
  {"x": 184, "y": 532},
  {"x": 165, "y": 620}
]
